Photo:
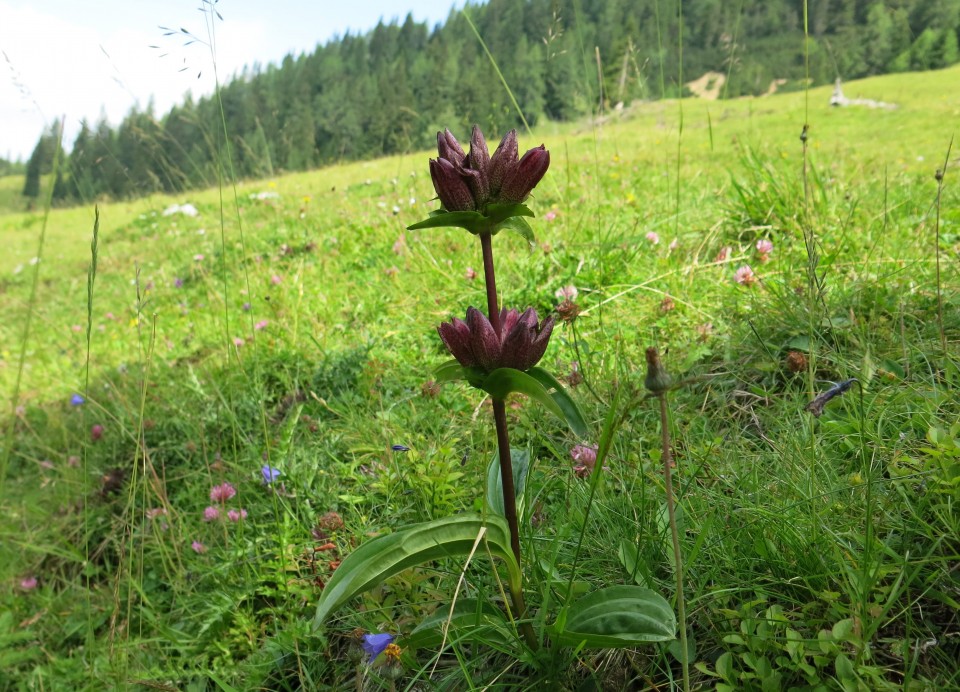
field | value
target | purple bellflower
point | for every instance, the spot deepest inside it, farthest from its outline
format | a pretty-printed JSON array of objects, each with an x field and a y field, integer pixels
[{"x": 374, "y": 644}]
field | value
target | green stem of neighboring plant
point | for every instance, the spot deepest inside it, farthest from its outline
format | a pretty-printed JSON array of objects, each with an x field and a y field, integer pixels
[
  {"x": 941, "y": 172},
  {"x": 675, "y": 536},
  {"x": 503, "y": 446}
]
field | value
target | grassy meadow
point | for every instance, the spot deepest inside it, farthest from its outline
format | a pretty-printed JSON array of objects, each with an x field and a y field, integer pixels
[{"x": 292, "y": 323}]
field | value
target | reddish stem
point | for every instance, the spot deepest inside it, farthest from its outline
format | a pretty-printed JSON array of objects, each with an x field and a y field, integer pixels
[{"x": 490, "y": 279}]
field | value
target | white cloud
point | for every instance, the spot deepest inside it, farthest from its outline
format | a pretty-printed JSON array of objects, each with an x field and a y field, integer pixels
[{"x": 57, "y": 68}]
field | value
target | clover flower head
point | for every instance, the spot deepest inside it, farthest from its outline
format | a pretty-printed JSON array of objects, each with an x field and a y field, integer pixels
[
  {"x": 584, "y": 459},
  {"x": 653, "y": 238},
  {"x": 198, "y": 547},
  {"x": 745, "y": 276},
  {"x": 235, "y": 515},
  {"x": 28, "y": 583},
  {"x": 584, "y": 454},
  {"x": 764, "y": 246},
  {"x": 211, "y": 513},
  {"x": 221, "y": 493}
]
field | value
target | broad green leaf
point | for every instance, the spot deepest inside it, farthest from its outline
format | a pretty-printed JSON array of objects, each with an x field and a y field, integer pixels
[
  {"x": 472, "y": 620},
  {"x": 498, "y": 213},
  {"x": 449, "y": 371},
  {"x": 617, "y": 616},
  {"x": 520, "y": 460},
  {"x": 452, "y": 370},
  {"x": 518, "y": 226},
  {"x": 571, "y": 412},
  {"x": 630, "y": 559},
  {"x": 383, "y": 557},
  {"x": 504, "y": 381},
  {"x": 475, "y": 222}
]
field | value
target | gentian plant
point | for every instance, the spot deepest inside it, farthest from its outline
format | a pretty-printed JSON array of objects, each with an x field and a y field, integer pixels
[{"x": 498, "y": 352}]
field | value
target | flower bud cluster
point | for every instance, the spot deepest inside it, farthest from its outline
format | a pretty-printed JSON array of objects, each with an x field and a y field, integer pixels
[
  {"x": 470, "y": 181},
  {"x": 520, "y": 344}
]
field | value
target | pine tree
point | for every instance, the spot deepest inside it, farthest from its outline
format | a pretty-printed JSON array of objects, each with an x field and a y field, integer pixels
[{"x": 31, "y": 186}]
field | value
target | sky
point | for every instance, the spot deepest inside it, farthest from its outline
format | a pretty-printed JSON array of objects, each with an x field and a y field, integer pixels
[{"x": 76, "y": 60}]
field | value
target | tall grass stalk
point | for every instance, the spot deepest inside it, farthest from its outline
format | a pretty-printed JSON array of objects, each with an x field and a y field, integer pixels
[
  {"x": 91, "y": 281},
  {"x": 813, "y": 284},
  {"x": 31, "y": 308}
]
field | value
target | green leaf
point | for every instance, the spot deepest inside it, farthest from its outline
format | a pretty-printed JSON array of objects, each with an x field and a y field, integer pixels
[
  {"x": 452, "y": 371},
  {"x": 725, "y": 666},
  {"x": 571, "y": 412},
  {"x": 518, "y": 226},
  {"x": 498, "y": 213},
  {"x": 504, "y": 381},
  {"x": 449, "y": 371},
  {"x": 630, "y": 559},
  {"x": 618, "y": 616},
  {"x": 472, "y": 619},
  {"x": 475, "y": 222},
  {"x": 520, "y": 459},
  {"x": 385, "y": 556}
]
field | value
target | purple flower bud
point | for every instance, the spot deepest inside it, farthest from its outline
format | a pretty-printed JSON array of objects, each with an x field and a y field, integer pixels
[
  {"x": 526, "y": 342},
  {"x": 400, "y": 448},
  {"x": 519, "y": 181},
  {"x": 451, "y": 187},
  {"x": 485, "y": 341},
  {"x": 456, "y": 337},
  {"x": 449, "y": 148},
  {"x": 503, "y": 161},
  {"x": 478, "y": 173}
]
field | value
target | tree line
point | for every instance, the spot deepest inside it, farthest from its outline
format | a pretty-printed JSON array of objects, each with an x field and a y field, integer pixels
[{"x": 391, "y": 89}]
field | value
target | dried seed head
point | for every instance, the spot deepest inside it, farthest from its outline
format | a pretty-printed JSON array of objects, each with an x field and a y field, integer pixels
[
  {"x": 567, "y": 311},
  {"x": 658, "y": 379},
  {"x": 796, "y": 362}
]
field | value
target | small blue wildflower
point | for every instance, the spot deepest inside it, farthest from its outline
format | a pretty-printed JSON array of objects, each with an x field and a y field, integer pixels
[
  {"x": 400, "y": 448},
  {"x": 76, "y": 400},
  {"x": 374, "y": 644},
  {"x": 269, "y": 473}
]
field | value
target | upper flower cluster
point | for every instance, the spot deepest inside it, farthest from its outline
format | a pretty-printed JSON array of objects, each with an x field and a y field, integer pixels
[
  {"x": 521, "y": 343},
  {"x": 468, "y": 182}
]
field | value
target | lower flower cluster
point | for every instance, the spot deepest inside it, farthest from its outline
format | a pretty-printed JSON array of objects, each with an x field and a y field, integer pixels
[{"x": 520, "y": 344}]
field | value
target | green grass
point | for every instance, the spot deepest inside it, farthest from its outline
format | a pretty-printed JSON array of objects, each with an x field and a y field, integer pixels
[{"x": 816, "y": 551}]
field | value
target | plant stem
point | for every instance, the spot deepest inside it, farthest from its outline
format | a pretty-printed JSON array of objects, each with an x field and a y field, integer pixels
[
  {"x": 940, "y": 175},
  {"x": 503, "y": 444},
  {"x": 490, "y": 279},
  {"x": 678, "y": 564},
  {"x": 506, "y": 475}
]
